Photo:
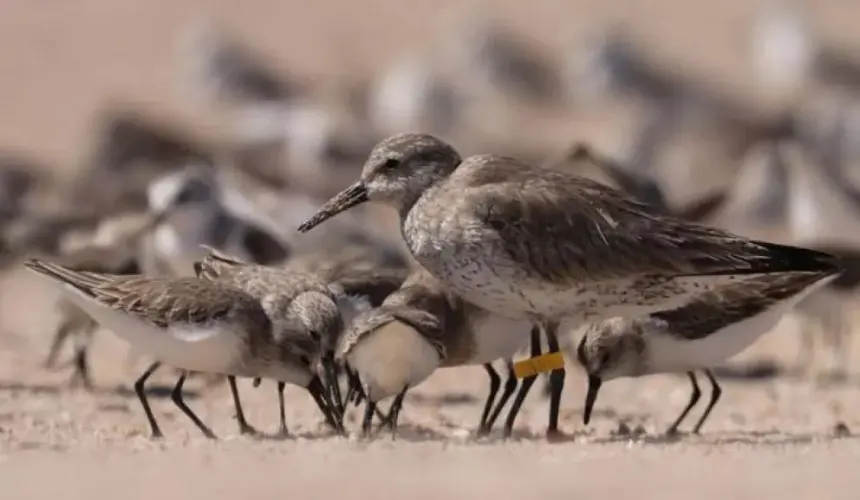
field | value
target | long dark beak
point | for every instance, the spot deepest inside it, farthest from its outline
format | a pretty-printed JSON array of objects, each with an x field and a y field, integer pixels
[
  {"x": 350, "y": 197},
  {"x": 594, "y": 383}
]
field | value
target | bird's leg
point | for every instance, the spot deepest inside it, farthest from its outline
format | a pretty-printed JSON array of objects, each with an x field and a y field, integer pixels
[
  {"x": 694, "y": 398},
  {"x": 367, "y": 421},
  {"x": 141, "y": 394},
  {"x": 333, "y": 384},
  {"x": 244, "y": 428},
  {"x": 556, "y": 380},
  {"x": 82, "y": 341},
  {"x": 507, "y": 392},
  {"x": 495, "y": 383},
  {"x": 394, "y": 412},
  {"x": 176, "y": 396},
  {"x": 82, "y": 370},
  {"x": 353, "y": 386},
  {"x": 256, "y": 382},
  {"x": 524, "y": 388},
  {"x": 318, "y": 391},
  {"x": 60, "y": 336},
  {"x": 282, "y": 415},
  {"x": 716, "y": 392}
]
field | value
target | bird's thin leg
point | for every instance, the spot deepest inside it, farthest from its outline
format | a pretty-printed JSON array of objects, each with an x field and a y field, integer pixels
[
  {"x": 318, "y": 391},
  {"x": 141, "y": 394},
  {"x": 524, "y": 388},
  {"x": 495, "y": 383},
  {"x": 329, "y": 380},
  {"x": 556, "y": 380},
  {"x": 333, "y": 384},
  {"x": 62, "y": 333},
  {"x": 353, "y": 390},
  {"x": 244, "y": 428},
  {"x": 282, "y": 414},
  {"x": 82, "y": 370},
  {"x": 394, "y": 412},
  {"x": 82, "y": 341},
  {"x": 716, "y": 392},
  {"x": 694, "y": 398},
  {"x": 367, "y": 421},
  {"x": 176, "y": 396},
  {"x": 507, "y": 392}
]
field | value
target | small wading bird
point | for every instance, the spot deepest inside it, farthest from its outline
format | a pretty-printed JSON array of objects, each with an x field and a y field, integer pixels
[
  {"x": 532, "y": 243},
  {"x": 708, "y": 330}
]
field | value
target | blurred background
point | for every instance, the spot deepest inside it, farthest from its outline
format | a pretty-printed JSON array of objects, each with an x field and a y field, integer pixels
[{"x": 133, "y": 131}]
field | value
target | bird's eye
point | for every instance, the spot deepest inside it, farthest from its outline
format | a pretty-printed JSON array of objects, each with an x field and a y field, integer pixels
[{"x": 391, "y": 164}]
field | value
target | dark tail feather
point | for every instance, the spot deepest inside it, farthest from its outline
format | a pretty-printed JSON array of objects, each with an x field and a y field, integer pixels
[{"x": 776, "y": 258}]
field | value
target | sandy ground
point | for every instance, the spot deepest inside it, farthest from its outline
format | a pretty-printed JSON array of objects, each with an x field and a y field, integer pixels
[
  {"x": 60, "y": 62},
  {"x": 771, "y": 436}
]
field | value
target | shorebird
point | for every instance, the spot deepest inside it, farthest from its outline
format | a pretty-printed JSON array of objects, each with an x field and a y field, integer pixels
[
  {"x": 296, "y": 303},
  {"x": 224, "y": 69},
  {"x": 531, "y": 243},
  {"x": 194, "y": 325},
  {"x": 422, "y": 327},
  {"x": 106, "y": 253},
  {"x": 708, "y": 330},
  {"x": 200, "y": 218}
]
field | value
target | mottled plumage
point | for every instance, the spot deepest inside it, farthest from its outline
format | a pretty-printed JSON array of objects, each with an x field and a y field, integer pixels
[
  {"x": 538, "y": 244},
  {"x": 519, "y": 240},
  {"x": 421, "y": 327},
  {"x": 711, "y": 328},
  {"x": 192, "y": 324},
  {"x": 298, "y": 303}
]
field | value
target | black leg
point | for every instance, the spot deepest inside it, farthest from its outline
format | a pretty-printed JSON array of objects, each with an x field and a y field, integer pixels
[
  {"x": 141, "y": 394},
  {"x": 333, "y": 384},
  {"x": 256, "y": 382},
  {"x": 82, "y": 370},
  {"x": 524, "y": 388},
  {"x": 318, "y": 391},
  {"x": 507, "y": 392},
  {"x": 715, "y": 396},
  {"x": 694, "y": 398},
  {"x": 176, "y": 396},
  {"x": 244, "y": 428},
  {"x": 495, "y": 383},
  {"x": 354, "y": 390},
  {"x": 367, "y": 421},
  {"x": 394, "y": 412},
  {"x": 556, "y": 380},
  {"x": 332, "y": 392},
  {"x": 282, "y": 415},
  {"x": 62, "y": 333}
]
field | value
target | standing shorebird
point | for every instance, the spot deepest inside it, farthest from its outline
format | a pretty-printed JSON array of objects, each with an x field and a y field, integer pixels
[
  {"x": 195, "y": 325},
  {"x": 419, "y": 328},
  {"x": 526, "y": 242},
  {"x": 710, "y": 329},
  {"x": 296, "y": 303}
]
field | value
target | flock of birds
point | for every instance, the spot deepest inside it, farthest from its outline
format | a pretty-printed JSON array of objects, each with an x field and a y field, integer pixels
[{"x": 188, "y": 249}]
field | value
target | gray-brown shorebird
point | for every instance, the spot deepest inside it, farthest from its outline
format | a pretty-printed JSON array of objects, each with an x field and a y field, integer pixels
[{"x": 528, "y": 242}]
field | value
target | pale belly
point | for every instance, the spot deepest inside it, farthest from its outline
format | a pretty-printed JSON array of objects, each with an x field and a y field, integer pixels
[
  {"x": 497, "y": 337},
  {"x": 213, "y": 349},
  {"x": 667, "y": 353},
  {"x": 393, "y": 357}
]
